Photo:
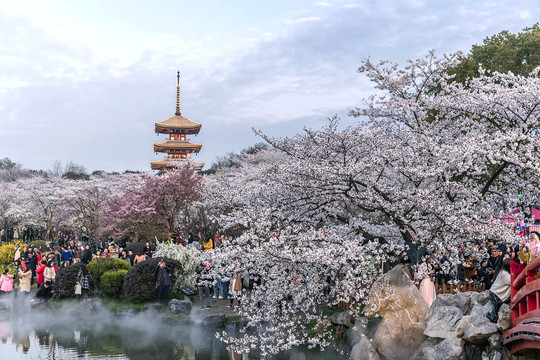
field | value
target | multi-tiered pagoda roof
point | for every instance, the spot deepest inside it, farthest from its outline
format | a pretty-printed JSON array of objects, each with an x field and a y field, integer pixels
[{"x": 177, "y": 147}]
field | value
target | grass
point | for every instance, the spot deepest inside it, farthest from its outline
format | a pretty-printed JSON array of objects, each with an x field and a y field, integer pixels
[{"x": 119, "y": 305}]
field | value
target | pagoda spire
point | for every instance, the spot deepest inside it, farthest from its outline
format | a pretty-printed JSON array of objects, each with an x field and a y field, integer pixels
[{"x": 178, "y": 94}]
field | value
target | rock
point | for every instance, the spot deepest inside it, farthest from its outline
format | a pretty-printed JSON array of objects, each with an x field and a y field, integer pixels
[
  {"x": 479, "y": 330},
  {"x": 449, "y": 349},
  {"x": 480, "y": 311},
  {"x": 481, "y": 298},
  {"x": 134, "y": 311},
  {"x": 442, "y": 321},
  {"x": 180, "y": 306},
  {"x": 344, "y": 318},
  {"x": 214, "y": 321},
  {"x": 426, "y": 350},
  {"x": 364, "y": 350},
  {"x": 461, "y": 300},
  {"x": 171, "y": 320},
  {"x": 505, "y": 321},
  {"x": 463, "y": 324},
  {"x": 398, "y": 301},
  {"x": 495, "y": 341},
  {"x": 152, "y": 307}
]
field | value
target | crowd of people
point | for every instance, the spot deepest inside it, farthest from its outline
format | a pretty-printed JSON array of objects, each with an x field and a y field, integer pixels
[
  {"x": 487, "y": 264},
  {"x": 33, "y": 266}
]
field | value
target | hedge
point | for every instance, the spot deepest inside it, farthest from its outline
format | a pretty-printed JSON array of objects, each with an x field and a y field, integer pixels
[
  {"x": 97, "y": 267},
  {"x": 140, "y": 281},
  {"x": 135, "y": 247},
  {"x": 64, "y": 283},
  {"x": 112, "y": 281}
]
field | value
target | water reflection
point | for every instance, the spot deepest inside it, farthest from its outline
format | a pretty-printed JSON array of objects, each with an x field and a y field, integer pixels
[{"x": 82, "y": 332}]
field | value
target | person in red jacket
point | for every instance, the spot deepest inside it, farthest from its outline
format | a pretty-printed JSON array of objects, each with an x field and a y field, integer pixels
[{"x": 39, "y": 272}]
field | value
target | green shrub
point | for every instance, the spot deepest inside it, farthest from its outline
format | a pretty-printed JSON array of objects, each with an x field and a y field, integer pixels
[
  {"x": 112, "y": 281},
  {"x": 140, "y": 281},
  {"x": 64, "y": 282},
  {"x": 41, "y": 245},
  {"x": 7, "y": 255},
  {"x": 97, "y": 267}
]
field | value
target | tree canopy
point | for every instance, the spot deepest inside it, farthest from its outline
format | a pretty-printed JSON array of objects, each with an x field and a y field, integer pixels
[{"x": 503, "y": 52}]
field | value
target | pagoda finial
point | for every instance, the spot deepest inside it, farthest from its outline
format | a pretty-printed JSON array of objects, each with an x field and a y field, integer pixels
[{"x": 178, "y": 93}]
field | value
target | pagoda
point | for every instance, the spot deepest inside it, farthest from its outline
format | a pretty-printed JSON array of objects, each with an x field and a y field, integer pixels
[{"x": 177, "y": 147}]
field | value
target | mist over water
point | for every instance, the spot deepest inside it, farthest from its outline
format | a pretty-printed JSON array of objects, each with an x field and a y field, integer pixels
[{"x": 90, "y": 331}]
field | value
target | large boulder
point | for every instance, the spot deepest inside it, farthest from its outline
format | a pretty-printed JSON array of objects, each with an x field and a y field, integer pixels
[
  {"x": 462, "y": 301},
  {"x": 398, "y": 301},
  {"x": 180, "y": 306},
  {"x": 442, "y": 321}
]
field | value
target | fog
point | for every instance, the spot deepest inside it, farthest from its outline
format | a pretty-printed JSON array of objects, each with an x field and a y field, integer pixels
[{"x": 88, "y": 330}]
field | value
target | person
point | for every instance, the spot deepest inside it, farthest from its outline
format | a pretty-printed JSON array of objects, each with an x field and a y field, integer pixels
[
  {"x": 163, "y": 282},
  {"x": 516, "y": 266},
  {"x": 106, "y": 254},
  {"x": 404, "y": 264},
  {"x": 124, "y": 256},
  {"x": 208, "y": 245},
  {"x": 148, "y": 250},
  {"x": 44, "y": 292},
  {"x": 32, "y": 263},
  {"x": 39, "y": 271},
  {"x": 469, "y": 269},
  {"x": 25, "y": 276},
  {"x": 83, "y": 279},
  {"x": 534, "y": 243},
  {"x": 494, "y": 266},
  {"x": 139, "y": 258},
  {"x": 66, "y": 256},
  {"x": 499, "y": 292},
  {"x": 6, "y": 282},
  {"x": 427, "y": 287},
  {"x": 131, "y": 257},
  {"x": 235, "y": 287},
  {"x": 204, "y": 281},
  {"x": 87, "y": 255},
  {"x": 50, "y": 272}
]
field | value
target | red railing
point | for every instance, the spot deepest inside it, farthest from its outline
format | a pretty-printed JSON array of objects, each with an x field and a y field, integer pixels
[{"x": 524, "y": 336}]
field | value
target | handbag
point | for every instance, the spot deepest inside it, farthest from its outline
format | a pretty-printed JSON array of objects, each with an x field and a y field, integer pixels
[
  {"x": 187, "y": 291},
  {"x": 78, "y": 289}
]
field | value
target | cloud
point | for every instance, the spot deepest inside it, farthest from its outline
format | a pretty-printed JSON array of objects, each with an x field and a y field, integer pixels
[
  {"x": 64, "y": 102},
  {"x": 524, "y": 14},
  {"x": 324, "y": 3},
  {"x": 304, "y": 20}
]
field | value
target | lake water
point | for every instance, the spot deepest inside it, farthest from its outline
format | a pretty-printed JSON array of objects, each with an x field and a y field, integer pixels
[{"x": 72, "y": 333}]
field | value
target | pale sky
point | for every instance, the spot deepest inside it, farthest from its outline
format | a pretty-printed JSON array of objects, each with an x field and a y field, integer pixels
[{"x": 85, "y": 81}]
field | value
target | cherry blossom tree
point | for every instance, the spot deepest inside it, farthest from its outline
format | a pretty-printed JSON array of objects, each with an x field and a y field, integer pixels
[
  {"x": 429, "y": 162},
  {"x": 152, "y": 208}
]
